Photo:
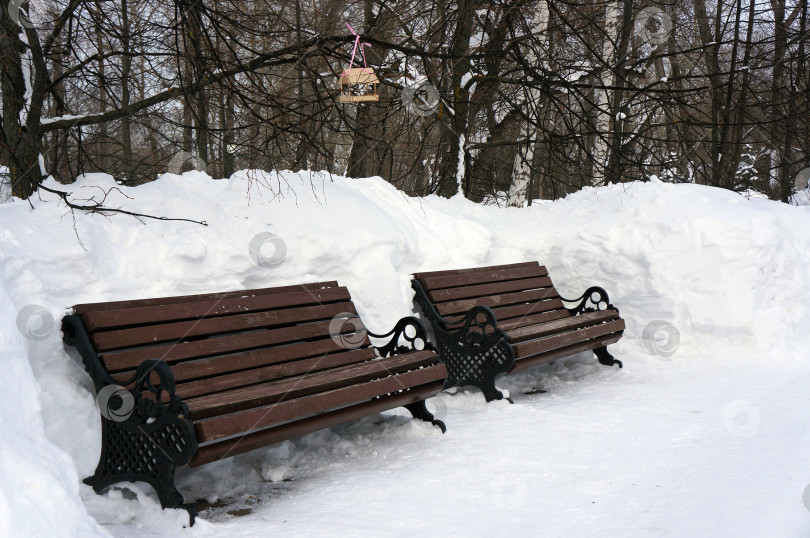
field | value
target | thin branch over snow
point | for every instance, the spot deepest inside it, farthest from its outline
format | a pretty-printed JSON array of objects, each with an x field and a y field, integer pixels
[{"x": 98, "y": 207}]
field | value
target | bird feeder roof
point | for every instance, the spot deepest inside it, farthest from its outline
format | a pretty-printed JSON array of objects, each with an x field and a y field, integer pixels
[{"x": 359, "y": 75}]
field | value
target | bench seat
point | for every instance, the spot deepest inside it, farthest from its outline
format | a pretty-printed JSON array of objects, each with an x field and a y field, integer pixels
[
  {"x": 195, "y": 379},
  {"x": 506, "y": 318}
]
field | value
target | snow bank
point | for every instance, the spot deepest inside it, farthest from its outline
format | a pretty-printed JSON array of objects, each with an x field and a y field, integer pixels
[
  {"x": 693, "y": 269},
  {"x": 39, "y": 486}
]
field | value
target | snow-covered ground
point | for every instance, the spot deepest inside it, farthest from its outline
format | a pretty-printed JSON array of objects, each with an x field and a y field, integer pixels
[{"x": 703, "y": 433}]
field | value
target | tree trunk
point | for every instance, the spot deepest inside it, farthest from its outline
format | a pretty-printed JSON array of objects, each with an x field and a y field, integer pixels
[
  {"x": 226, "y": 118},
  {"x": 126, "y": 63},
  {"x": 21, "y": 120},
  {"x": 195, "y": 32},
  {"x": 57, "y": 144},
  {"x": 781, "y": 139},
  {"x": 522, "y": 172},
  {"x": 602, "y": 95},
  {"x": 735, "y": 116},
  {"x": 102, "y": 144},
  {"x": 711, "y": 44},
  {"x": 453, "y": 168},
  {"x": 302, "y": 153},
  {"x": 616, "y": 157}
]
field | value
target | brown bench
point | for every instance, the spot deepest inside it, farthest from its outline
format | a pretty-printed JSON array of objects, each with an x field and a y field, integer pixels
[
  {"x": 195, "y": 379},
  {"x": 505, "y": 318}
]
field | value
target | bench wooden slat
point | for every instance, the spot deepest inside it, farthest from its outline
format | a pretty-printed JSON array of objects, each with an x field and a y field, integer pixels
[
  {"x": 534, "y": 360},
  {"x": 532, "y": 319},
  {"x": 261, "y": 358},
  {"x": 518, "y": 311},
  {"x": 256, "y": 358},
  {"x": 533, "y": 347},
  {"x": 493, "y": 288},
  {"x": 245, "y": 443},
  {"x": 301, "y": 407},
  {"x": 278, "y": 391},
  {"x": 473, "y": 270},
  {"x": 117, "y": 361},
  {"x": 149, "y": 315},
  {"x": 483, "y": 277},
  {"x": 282, "y": 370},
  {"x": 115, "y": 305},
  {"x": 492, "y": 301},
  {"x": 566, "y": 324},
  {"x": 121, "y": 338}
]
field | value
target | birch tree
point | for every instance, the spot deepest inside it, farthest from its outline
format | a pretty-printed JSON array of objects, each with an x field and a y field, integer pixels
[
  {"x": 606, "y": 80},
  {"x": 529, "y": 131}
]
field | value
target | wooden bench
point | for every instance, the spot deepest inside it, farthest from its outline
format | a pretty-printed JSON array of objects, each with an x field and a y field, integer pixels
[
  {"x": 505, "y": 318},
  {"x": 195, "y": 379}
]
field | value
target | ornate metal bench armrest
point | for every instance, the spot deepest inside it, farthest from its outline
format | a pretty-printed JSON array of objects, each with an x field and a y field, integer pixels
[
  {"x": 476, "y": 352},
  {"x": 407, "y": 335},
  {"x": 477, "y": 327},
  {"x": 146, "y": 430},
  {"x": 146, "y": 435},
  {"x": 164, "y": 400},
  {"x": 472, "y": 346},
  {"x": 597, "y": 296}
]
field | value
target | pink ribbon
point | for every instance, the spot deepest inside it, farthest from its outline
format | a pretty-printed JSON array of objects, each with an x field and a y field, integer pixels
[{"x": 356, "y": 43}]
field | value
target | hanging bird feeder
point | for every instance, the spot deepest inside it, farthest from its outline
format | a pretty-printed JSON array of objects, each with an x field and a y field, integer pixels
[{"x": 358, "y": 84}]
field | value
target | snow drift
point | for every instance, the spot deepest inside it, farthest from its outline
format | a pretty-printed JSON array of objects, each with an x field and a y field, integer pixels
[{"x": 694, "y": 271}]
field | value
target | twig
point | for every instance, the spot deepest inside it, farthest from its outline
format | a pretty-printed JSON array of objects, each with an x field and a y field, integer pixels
[{"x": 99, "y": 208}]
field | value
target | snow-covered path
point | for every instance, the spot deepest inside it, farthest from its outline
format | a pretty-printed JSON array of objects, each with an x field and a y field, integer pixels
[{"x": 717, "y": 451}]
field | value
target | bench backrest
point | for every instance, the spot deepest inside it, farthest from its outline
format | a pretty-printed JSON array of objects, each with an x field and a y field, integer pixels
[
  {"x": 519, "y": 294},
  {"x": 222, "y": 341}
]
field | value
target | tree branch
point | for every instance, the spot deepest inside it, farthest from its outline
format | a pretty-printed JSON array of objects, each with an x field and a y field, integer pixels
[{"x": 99, "y": 208}]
